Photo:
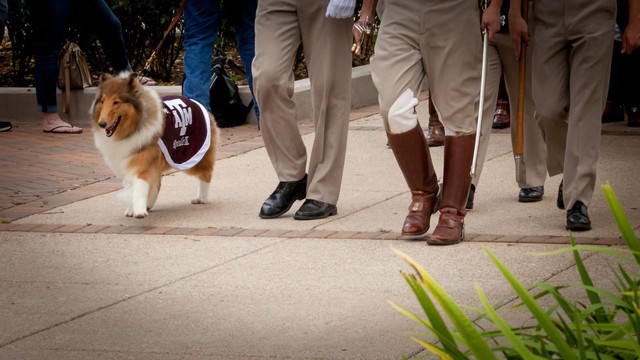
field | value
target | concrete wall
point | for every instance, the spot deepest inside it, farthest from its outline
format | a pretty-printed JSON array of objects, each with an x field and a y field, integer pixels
[{"x": 19, "y": 104}]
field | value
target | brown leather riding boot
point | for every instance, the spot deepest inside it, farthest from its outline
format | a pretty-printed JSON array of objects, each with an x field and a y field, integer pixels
[
  {"x": 412, "y": 154},
  {"x": 435, "y": 134},
  {"x": 501, "y": 117},
  {"x": 458, "y": 155}
]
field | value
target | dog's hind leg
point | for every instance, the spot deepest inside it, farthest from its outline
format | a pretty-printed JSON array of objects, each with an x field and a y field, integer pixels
[
  {"x": 154, "y": 190},
  {"x": 139, "y": 195},
  {"x": 204, "y": 182},
  {"x": 204, "y": 172},
  {"x": 203, "y": 192}
]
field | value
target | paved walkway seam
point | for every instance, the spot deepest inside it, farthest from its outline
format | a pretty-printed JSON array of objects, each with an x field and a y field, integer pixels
[{"x": 289, "y": 234}]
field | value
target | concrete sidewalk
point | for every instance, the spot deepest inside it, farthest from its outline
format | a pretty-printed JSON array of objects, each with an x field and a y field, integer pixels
[{"x": 79, "y": 280}]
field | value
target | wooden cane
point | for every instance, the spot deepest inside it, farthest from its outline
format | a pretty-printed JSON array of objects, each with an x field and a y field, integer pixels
[
  {"x": 522, "y": 78},
  {"x": 147, "y": 66}
]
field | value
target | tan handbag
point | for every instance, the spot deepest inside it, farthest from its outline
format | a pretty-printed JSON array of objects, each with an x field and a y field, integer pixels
[{"x": 73, "y": 71}]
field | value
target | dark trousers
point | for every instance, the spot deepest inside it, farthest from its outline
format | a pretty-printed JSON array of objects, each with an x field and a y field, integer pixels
[
  {"x": 624, "y": 87},
  {"x": 51, "y": 20},
  {"x": 202, "y": 24},
  {"x": 4, "y": 13}
]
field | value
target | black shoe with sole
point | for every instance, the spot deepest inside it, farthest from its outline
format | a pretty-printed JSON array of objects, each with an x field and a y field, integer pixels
[
  {"x": 531, "y": 194},
  {"x": 560, "y": 199},
  {"x": 5, "y": 126},
  {"x": 633, "y": 116},
  {"x": 281, "y": 200},
  {"x": 578, "y": 218},
  {"x": 314, "y": 209}
]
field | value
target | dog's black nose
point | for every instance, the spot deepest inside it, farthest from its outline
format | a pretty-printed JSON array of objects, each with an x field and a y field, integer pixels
[{"x": 102, "y": 124}]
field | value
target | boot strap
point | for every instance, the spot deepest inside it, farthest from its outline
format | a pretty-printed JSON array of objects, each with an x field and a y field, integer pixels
[
  {"x": 419, "y": 199},
  {"x": 450, "y": 220}
]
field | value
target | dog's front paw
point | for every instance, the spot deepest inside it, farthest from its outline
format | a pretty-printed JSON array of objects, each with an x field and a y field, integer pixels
[
  {"x": 198, "y": 201},
  {"x": 140, "y": 214},
  {"x": 128, "y": 212}
]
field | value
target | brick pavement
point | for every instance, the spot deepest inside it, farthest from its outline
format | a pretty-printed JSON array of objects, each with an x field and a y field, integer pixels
[{"x": 44, "y": 171}]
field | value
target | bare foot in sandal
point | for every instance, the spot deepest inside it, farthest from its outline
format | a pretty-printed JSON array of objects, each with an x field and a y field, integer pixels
[
  {"x": 52, "y": 123},
  {"x": 146, "y": 81}
]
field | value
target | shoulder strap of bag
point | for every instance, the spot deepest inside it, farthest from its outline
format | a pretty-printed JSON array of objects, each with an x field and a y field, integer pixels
[
  {"x": 83, "y": 67},
  {"x": 67, "y": 78},
  {"x": 220, "y": 51},
  {"x": 67, "y": 90}
]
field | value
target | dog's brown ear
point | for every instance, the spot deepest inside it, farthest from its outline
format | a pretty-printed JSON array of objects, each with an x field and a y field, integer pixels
[{"x": 104, "y": 77}]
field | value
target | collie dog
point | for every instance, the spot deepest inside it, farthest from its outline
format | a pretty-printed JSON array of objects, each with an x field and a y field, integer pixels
[{"x": 141, "y": 136}]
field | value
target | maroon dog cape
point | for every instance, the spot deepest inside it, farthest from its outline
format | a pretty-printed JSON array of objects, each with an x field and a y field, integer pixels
[{"x": 187, "y": 132}]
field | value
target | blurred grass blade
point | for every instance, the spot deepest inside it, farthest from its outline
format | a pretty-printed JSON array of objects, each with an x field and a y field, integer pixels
[
  {"x": 615, "y": 299},
  {"x": 449, "y": 345},
  {"x": 434, "y": 349},
  {"x": 431, "y": 311},
  {"x": 623, "y": 223},
  {"x": 410, "y": 315},
  {"x": 586, "y": 280},
  {"x": 629, "y": 345},
  {"x": 620, "y": 254},
  {"x": 437, "y": 324},
  {"x": 474, "y": 341},
  {"x": 566, "y": 305},
  {"x": 504, "y": 327},
  {"x": 543, "y": 318}
]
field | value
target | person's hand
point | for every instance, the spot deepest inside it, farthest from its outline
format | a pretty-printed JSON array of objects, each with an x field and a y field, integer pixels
[
  {"x": 356, "y": 30},
  {"x": 518, "y": 31},
  {"x": 491, "y": 19},
  {"x": 631, "y": 37},
  {"x": 361, "y": 30}
]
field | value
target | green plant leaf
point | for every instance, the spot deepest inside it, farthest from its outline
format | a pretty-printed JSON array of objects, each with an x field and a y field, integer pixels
[
  {"x": 504, "y": 327},
  {"x": 586, "y": 280},
  {"x": 621, "y": 254},
  {"x": 615, "y": 299},
  {"x": 622, "y": 344},
  {"x": 623, "y": 223},
  {"x": 437, "y": 324},
  {"x": 410, "y": 315},
  {"x": 566, "y": 305},
  {"x": 543, "y": 318},
  {"x": 450, "y": 348},
  {"x": 465, "y": 327},
  {"x": 434, "y": 349},
  {"x": 428, "y": 306}
]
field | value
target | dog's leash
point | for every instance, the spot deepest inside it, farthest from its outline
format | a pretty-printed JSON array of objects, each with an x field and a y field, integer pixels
[{"x": 152, "y": 58}]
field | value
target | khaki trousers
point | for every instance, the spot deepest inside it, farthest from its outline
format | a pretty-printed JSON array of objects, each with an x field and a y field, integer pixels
[
  {"x": 501, "y": 60},
  {"x": 571, "y": 65},
  {"x": 439, "y": 39},
  {"x": 281, "y": 25}
]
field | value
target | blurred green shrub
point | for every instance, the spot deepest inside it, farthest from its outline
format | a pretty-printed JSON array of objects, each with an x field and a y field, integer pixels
[{"x": 143, "y": 25}]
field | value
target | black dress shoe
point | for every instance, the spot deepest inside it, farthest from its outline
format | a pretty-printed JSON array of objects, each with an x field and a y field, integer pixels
[
  {"x": 280, "y": 201},
  {"x": 560, "y": 199},
  {"x": 633, "y": 115},
  {"x": 472, "y": 194},
  {"x": 314, "y": 209},
  {"x": 577, "y": 218},
  {"x": 531, "y": 194}
]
